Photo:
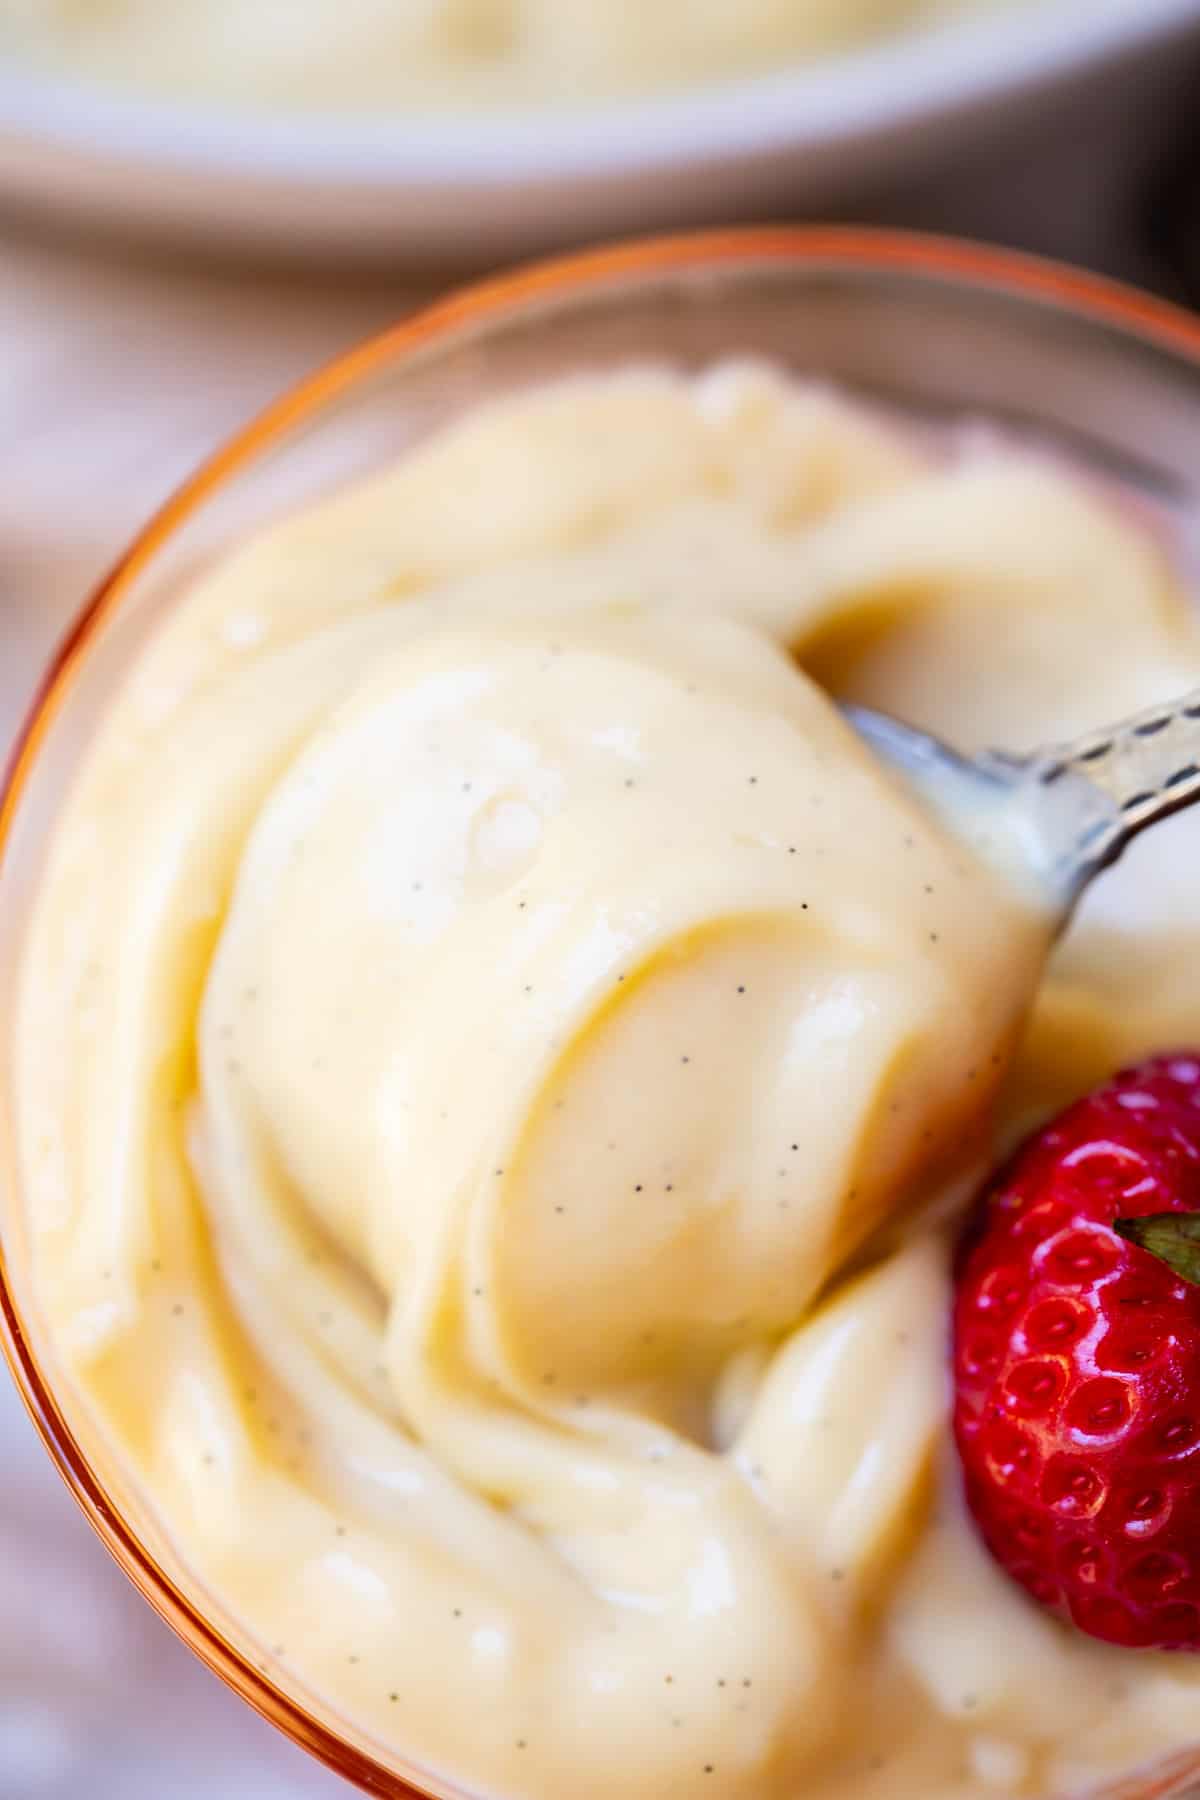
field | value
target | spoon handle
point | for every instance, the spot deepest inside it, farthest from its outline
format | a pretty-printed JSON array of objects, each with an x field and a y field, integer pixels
[{"x": 1101, "y": 790}]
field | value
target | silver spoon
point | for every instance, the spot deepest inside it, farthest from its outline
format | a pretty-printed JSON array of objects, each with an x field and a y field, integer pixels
[{"x": 1061, "y": 814}]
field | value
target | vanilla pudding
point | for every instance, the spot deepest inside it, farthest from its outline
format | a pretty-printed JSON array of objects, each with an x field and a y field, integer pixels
[
  {"x": 498, "y": 1064},
  {"x": 446, "y": 55}
]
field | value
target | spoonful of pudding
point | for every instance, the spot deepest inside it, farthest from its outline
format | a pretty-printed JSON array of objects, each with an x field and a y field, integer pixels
[{"x": 1060, "y": 814}]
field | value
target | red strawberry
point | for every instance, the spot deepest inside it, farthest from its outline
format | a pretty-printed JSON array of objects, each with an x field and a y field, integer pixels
[{"x": 1077, "y": 1361}]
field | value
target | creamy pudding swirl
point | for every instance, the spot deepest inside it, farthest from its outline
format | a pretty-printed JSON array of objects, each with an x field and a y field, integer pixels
[{"x": 495, "y": 1059}]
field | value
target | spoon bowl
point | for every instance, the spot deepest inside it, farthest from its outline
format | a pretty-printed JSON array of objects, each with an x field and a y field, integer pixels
[{"x": 1054, "y": 818}]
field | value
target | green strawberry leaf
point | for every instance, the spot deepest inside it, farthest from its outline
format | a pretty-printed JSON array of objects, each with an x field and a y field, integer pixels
[{"x": 1174, "y": 1237}]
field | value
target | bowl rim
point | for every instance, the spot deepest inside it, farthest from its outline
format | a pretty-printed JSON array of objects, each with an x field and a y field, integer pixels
[
  {"x": 883, "y": 86},
  {"x": 1091, "y": 298}
]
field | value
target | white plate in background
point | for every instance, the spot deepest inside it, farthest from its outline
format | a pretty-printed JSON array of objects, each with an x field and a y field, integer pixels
[{"x": 474, "y": 189}]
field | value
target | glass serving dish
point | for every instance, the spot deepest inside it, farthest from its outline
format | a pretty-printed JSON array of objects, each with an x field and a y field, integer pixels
[{"x": 934, "y": 333}]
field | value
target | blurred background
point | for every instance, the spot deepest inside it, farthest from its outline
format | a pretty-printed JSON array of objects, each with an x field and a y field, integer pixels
[{"x": 201, "y": 199}]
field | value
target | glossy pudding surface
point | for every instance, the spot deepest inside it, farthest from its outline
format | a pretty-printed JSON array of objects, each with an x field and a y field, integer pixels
[{"x": 500, "y": 1066}]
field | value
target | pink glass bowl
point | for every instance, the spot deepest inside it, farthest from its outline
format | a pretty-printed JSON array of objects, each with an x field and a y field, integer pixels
[{"x": 933, "y": 331}]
